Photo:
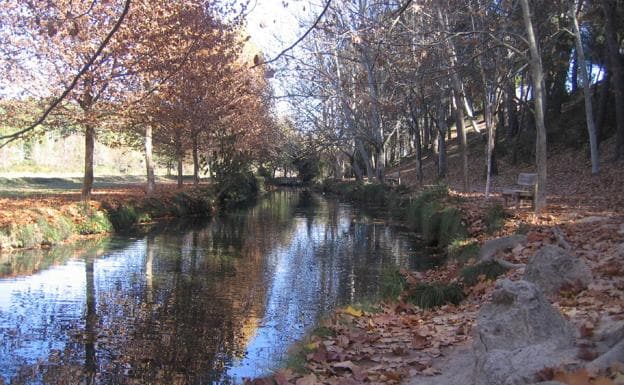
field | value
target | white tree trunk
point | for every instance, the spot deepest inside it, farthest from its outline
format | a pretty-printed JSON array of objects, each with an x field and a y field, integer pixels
[
  {"x": 589, "y": 111},
  {"x": 537, "y": 75}
]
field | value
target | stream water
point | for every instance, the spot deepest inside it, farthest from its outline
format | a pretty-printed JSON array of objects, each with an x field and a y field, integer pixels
[{"x": 206, "y": 302}]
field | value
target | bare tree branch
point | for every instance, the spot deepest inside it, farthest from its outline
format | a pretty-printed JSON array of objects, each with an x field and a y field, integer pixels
[
  {"x": 16, "y": 135},
  {"x": 293, "y": 45}
]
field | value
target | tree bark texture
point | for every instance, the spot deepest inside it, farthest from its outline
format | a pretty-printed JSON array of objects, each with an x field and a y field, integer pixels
[{"x": 537, "y": 75}]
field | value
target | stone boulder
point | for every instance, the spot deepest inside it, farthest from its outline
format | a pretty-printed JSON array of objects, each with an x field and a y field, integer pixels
[
  {"x": 552, "y": 268},
  {"x": 489, "y": 249},
  {"x": 518, "y": 334}
]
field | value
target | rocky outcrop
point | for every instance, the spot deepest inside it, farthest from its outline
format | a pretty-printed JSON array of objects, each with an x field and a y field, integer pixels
[
  {"x": 552, "y": 269},
  {"x": 489, "y": 249},
  {"x": 518, "y": 334}
]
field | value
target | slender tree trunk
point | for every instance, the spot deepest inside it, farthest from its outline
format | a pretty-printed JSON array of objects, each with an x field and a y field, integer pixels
[
  {"x": 511, "y": 109},
  {"x": 427, "y": 132},
  {"x": 195, "y": 161},
  {"x": 417, "y": 139},
  {"x": 87, "y": 183},
  {"x": 537, "y": 74},
  {"x": 473, "y": 121},
  {"x": 461, "y": 134},
  {"x": 357, "y": 170},
  {"x": 376, "y": 122},
  {"x": 589, "y": 111},
  {"x": 489, "y": 125},
  {"x": 149, "y": 162},
  {"x": 609, "y": 8},
  {"x": 603, "y": 99},
  {"x": 442, "y": 128},
  {"x": 180, "y": 159},
  {"x": 366, "y": 158},
  {"x": 574, "y": 65}
]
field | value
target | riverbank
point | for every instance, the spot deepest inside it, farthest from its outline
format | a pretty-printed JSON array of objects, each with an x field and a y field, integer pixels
[
  {"x": 408, "y": 336},
  {"x": 44, "y": 218}
]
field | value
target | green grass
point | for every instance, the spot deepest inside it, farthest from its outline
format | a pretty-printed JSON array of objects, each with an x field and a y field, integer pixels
[
  {"x": 96, "y": 222},
  {"x": 433, "y": 295},
  {"x": 463, "y": 250},
  {"x": 322, "y": 332},
  {"x": 15, "y": 187},
  {"x": 490, "y": 270},
  {"x": 392, "y": 283},
  {"x": 451, "y": 226}
]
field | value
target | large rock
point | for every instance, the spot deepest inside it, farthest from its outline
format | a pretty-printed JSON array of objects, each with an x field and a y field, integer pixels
[
  {"x": 490, "y": 248},
  {"x": 518, "y": 334},
  {"x": 552, "y": 268}
]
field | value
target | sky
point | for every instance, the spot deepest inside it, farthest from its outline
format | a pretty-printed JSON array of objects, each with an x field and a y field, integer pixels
[{"x": 273, "y": 24}]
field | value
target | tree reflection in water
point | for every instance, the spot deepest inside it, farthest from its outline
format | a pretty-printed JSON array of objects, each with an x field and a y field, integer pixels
[{"x": 207, "y": 303}]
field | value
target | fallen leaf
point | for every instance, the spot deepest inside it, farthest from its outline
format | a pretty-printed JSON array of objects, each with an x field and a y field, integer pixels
[{"x": 350, "y": 310}]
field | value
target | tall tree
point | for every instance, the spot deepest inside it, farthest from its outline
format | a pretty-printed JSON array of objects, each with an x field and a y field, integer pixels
[{"x": 537, "y": 77}]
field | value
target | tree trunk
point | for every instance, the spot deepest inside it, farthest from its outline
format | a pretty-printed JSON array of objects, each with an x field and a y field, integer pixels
[
  {"x": 470, "y": 114},
  {"x": 195, "y": 161},
  {"x": 415, "y": 127},
  {"x": 574, "y": 65},
  {"x": 366, "y": 159},
  {"x": 511, "y": 109},
  {"x": 489, "y": 125},
  {"x": 461, "y": 134},
  {"x": 589, "y": 111},
  {"x": 180, "y": 159},
  {"x": 87, "y": 182},
  {"x": 603, "y": 99},
  {"x": 609, "y": 8},
  {"x": 537, "y": 74},
  {"x": 442, "y": 128},
  {"x": 149, "y": 162}
]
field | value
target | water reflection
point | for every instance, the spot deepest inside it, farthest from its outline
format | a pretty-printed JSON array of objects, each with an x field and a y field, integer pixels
[{"x": 209, "y": 302}]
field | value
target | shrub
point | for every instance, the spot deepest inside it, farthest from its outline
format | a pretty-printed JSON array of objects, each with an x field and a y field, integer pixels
[
  {"x": 6, "y": 239},
  {"x": 237, "y": 188},
  {"x": 433, "y": 295},
  {"x": 420, "y": 211},
  {"x": 490, "y": 270},
  {"x": 96, "y": 222},
  {"x": 123, "y": 217},
  {"x": 49, "y": 232},
  {"x": 27, "y": 235},
  {"x": 463, "y": 250},
  {"x": 451, "y": 226},
  {"x": 392, "y": 282},
  {"x": 494, "y": 218},
  {"x": 65, "y": 227}
]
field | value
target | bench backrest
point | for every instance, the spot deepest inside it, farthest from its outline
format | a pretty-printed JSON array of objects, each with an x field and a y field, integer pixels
[{"x": 527, "y": 179}]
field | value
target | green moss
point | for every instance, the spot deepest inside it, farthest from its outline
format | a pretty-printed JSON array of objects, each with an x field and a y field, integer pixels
[
  {"x": 433, "y": 295},
  {"x": 490, "y": 270}
]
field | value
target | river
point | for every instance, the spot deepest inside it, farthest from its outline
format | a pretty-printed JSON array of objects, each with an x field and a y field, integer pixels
[{"x": 202, "y": 302}]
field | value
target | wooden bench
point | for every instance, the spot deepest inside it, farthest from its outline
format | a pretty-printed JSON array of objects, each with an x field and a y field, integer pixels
[{"x": 526, "y": 190}]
